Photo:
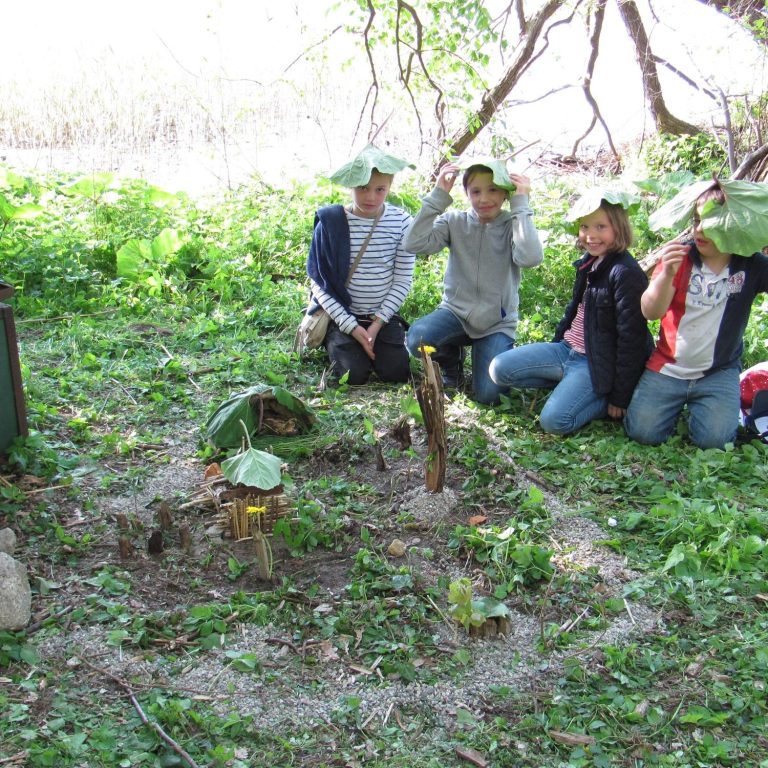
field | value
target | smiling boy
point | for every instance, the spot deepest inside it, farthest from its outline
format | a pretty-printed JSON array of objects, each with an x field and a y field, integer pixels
[{"x": 488, "y": 248}]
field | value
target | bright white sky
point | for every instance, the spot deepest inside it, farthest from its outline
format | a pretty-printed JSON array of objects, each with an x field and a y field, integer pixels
[{"x": 257, "y": 39}]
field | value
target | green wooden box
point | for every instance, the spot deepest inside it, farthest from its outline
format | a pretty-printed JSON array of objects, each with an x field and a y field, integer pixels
[{"x": 13, "y": 416}]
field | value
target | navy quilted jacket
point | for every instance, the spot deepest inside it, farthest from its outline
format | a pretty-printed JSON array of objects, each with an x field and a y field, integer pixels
[{"x": 616, "y": 335}]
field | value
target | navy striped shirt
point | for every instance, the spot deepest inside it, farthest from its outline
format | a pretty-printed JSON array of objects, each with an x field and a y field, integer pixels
[{"x": 384, "y": 275}]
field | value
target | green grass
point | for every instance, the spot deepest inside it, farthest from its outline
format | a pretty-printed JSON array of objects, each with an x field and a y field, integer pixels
[{"x": 121, "y": 372}]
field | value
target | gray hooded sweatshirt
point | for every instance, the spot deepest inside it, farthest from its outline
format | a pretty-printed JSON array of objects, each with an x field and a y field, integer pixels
[{"x": 484, "y": 260}]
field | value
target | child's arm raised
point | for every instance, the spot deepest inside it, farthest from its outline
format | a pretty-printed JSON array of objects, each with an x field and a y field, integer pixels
[
  {"x": 527, "y": 250},
  {"x": 658, "y": 296},
  {"x": 427, "y": 233}
]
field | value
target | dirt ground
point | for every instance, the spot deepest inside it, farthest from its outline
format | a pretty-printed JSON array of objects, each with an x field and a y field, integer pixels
[{"x": 297, "y": 695}]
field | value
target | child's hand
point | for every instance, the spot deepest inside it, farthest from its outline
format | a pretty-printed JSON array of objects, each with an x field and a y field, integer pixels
[
  {"x": 615, "y": 412},
  {"x": 365, "y": 340},
  {"x": 672, "y": 255},
  {"x": 523, "y": 184},
  {"x": 447, "y": 177}
]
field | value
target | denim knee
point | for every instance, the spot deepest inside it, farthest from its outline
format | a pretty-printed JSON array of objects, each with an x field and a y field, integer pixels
[
  {"x": 556, "y": 423},
  {"x": 414, "y": 339}
]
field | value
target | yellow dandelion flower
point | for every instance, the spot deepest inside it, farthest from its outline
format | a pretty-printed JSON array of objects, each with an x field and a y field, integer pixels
[
  {"x": 256, "y": 510},
  {"x": 426, "y": 348}
]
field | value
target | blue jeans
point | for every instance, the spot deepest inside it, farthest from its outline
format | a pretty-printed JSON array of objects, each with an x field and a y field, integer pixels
[
  {"x": 713, "y": 408},
  {"x": 573, "y": 402},
  {"x": 442, "y": 330}
]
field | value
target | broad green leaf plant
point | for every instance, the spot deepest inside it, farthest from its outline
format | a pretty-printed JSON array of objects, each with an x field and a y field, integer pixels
[
  {"x": 224, "y": 428},
  {"x": 738, "y": 226}
]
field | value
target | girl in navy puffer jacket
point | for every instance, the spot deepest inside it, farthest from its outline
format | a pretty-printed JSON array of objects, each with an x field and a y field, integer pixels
[{"x": 601, "y": 344}]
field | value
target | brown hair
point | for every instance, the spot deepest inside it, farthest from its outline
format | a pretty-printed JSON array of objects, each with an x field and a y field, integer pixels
[
  {"x": 473, "y": 170},
  {"x": 715, "y": 192},
  {"x": 622, "y": 227}
]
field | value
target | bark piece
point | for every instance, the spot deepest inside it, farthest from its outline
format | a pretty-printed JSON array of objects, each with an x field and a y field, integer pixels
[{"x": 126, "y": 548}]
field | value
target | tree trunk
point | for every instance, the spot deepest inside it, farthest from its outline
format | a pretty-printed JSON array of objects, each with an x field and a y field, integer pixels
[
  {"x": 493, "y": 99},
  {"x": 665, "y": 121}
]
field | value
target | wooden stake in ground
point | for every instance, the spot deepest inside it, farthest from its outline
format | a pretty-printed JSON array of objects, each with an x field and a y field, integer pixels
[{"x": 430, "y": 396}]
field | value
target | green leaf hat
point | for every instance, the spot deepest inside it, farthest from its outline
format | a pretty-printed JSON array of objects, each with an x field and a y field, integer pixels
[
  {"x": 590, "y": 201},
  {"x": 357, "y": 172},
  {"x": 739, "y": 226},
  {"x": 497, "y": 167}
]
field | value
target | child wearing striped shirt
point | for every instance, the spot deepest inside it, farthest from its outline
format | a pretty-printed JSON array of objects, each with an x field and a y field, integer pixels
[{"x": 365, "y": 334}]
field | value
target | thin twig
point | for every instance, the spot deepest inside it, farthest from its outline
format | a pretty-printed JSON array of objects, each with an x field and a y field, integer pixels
[
  {"x": 23, "y": 755},
  {"x": 48, "y": 488},
  {"x": 174, "y": 745},
  {"x": 161, "y": 733}
]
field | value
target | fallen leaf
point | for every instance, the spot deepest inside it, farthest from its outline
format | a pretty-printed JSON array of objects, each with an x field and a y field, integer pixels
[
  {"x": 572, "y": 739},
  {"x": 471, "y": 756},
  {"x": 33, "y": 480},
  {"x": 212, "y": 470},
  {"x": 693, "y": 669},
  {"x": 641, "y": 708},
  {"x": 327, "y": 651}
]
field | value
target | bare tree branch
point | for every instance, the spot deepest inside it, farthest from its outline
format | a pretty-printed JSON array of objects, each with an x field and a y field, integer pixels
[
  {"x": 314, "y": 45},
  {"x": 521, "y": 23},
  {"x": 439, "y": 100},
  {"x": 665, "y": 121},
  {"x": 501, "y": 20},
  {"x": 405, "y": 72},
  {"x": 545, "y": 36},
  {"x": 492, "y": 99},
  {"x": 687, "y": 80},
  {"x": 594, "y": 42},
  {"x": 750, "y": 162},
  {"x": 731, "y": 146},
  {"x": 373, "y": 89}
]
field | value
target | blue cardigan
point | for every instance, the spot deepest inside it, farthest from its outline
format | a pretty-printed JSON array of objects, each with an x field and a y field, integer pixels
[{"x": 329, "y": 255}]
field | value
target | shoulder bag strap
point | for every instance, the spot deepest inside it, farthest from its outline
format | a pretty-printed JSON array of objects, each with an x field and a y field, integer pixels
[{"x": 363, "y": 246}]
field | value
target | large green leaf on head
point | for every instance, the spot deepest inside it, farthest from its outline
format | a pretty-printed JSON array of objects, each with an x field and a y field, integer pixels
[
  {"x": 357, "y": 172},
  {"x": 496, "y": 166},
  {"x": 261, "y": 409},
  {"x": 738, "y": 226},
  {"x": 589, "y": 201},
  {"x": 676, "y": 214}
]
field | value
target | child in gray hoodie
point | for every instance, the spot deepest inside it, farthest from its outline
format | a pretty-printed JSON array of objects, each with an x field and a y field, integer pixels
[{"x": 488, "y": 247}]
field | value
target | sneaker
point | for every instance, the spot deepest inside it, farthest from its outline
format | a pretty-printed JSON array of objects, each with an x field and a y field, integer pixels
[{"x": 453, "y": 378}]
